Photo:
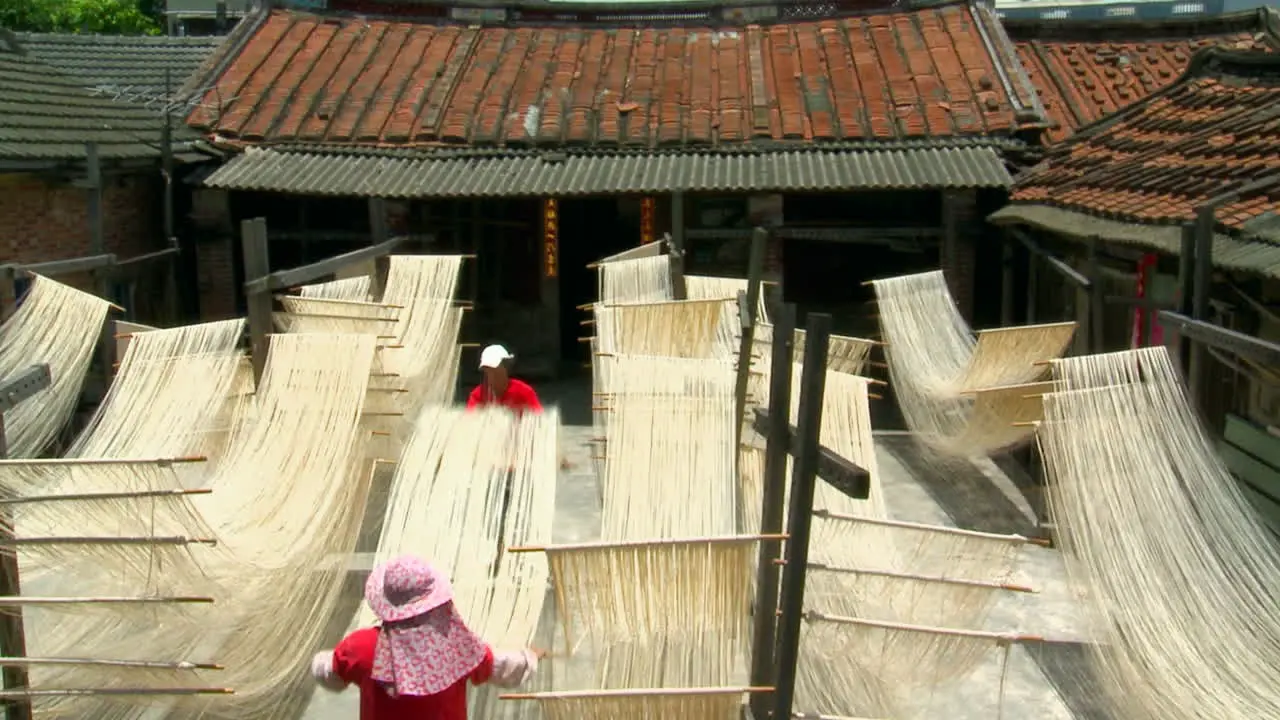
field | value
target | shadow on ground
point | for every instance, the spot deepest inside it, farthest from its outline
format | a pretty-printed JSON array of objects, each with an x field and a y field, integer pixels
[
  {"x": 1067, "y": 668},
  {"x": 962, "y": 490}
]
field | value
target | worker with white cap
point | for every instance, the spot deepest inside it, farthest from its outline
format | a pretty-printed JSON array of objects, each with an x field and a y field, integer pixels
[{"x": 499, "y": 388}]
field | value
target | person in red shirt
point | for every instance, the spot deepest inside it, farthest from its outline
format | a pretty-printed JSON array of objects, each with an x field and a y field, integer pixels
[
  {"x": 416, "y": 664},
  {"x": 499, "y": 388}
]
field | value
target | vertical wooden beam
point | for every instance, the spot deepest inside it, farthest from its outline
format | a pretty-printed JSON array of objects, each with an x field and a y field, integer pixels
[
  {"x": 93, "y": 170},
  {"x": 677, "y": 248},
  {"x": 1006, "y": 280},
  {"x": 166, "y": 156},
  {"x": 813, "y": 378},
  {"x": 1186, "y": 286},
  {"x": 949, "y": 254},
  {"x": 777, "y": 447},
  {"x": 379, "y": 232},
  {"x": 257, "y": 265},
  {"x": 1095, "y": 299},
  {"x": 1202, "y": 280},
  {"x": 1033, "y": 286},
  {"x": 747, "y": 316}
]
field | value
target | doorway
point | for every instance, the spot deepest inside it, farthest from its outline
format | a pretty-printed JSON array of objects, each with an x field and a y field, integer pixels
[{"x": 590, "y": 229}]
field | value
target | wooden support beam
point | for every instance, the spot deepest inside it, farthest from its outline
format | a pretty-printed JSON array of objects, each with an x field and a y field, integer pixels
[
  {"x": 837, "y": 471},
  {"x": 813, "y": 377},
  {"x": 677, "y": 249},
  {"x": 309, "y": 273},
  {"x": 773, "y": 508},
  {"x": 257, "y": 268}
]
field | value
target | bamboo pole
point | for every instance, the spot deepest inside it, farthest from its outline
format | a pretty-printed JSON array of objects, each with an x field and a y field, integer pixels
[
  {"x": 114, "y": 691},
  {"x": 145, "y": 540},
  {"x": 177, "y": 492},
  {"x": 357, "y": 303},
  {"x": 634, "y": 692},
  {"x": 913, "y": 576},
  {"x": 1026, "y": 327},
  {"x": 148, "y": 664},
  {"x": 25, "y": 600},
  {"x": 952, "y": 632},
  {"x": 662, "y": 542},
  {"x": 54, "y": 462},
  {"x": 829, "y": 515}
]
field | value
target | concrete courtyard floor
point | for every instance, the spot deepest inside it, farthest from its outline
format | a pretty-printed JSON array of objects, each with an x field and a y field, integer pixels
[{"x": 1043, "y": 681}]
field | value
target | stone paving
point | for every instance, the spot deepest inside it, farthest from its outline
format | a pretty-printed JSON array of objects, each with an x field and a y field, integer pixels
[{"x": 1051, "y": 612}]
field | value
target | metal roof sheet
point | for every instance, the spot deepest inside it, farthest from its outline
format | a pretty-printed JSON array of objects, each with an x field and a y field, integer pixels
[{"x": 560, "y": 174}]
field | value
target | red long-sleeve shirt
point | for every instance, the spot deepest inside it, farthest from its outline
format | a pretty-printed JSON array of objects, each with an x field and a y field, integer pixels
[
  {"x": 518, "y": 397},
  {"x": 353, "y": 662}
]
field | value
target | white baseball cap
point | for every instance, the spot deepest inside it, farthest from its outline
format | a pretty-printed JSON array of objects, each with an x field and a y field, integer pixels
[{"x": 493, "y": 356}]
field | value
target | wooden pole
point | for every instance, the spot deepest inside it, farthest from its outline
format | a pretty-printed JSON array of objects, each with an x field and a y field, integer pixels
[
  {"x": 747, "y": 309},
  {"x": 1097, "y": 337},
  {"x": 257, "y": 266},
  {"x": 677, "y": 247},
  {"x": 1186, "y": 286},
  {"x": 1202, "y": 278},
  {"x": 778, "y": 444},
  {"x": 813, "y": 376},
  {"x": 1006, "y": 281}
]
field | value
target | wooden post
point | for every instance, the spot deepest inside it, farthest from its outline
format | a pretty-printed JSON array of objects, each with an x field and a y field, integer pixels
[
  {"x": 93, "y": 170},
  {"x": 1033, "y": 290},
  {"x": 677, "y": 249},
  {"x": 1006, "y": 281},
  {"x": 949, "y": 255},
  {"x": 747, "y": 320},
  {"x": 778, "y": 444},
  {"x": 1202, "y": 279},
  {"x": 257, "y": 266},
  {"x": 379, "y": 233},
  {"x": 1186, "y": 286},
  {"x": 813, "y": 377},
  {"x": 1097, "y": 337}
]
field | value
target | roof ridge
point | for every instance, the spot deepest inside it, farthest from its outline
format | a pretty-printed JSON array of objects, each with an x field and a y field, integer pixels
[{"x": 1258, "y": 19}]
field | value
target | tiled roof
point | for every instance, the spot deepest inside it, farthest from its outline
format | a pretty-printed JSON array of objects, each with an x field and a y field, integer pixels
[
  {"x": 1084, "y": 71},
  {"x": 48, "y": 116},
  {"x": 1215, "y": 131},
  {"x": 124, "y": 65},
  {"x": 506, "y": 173},
  {"x": 336, "y": 79}
]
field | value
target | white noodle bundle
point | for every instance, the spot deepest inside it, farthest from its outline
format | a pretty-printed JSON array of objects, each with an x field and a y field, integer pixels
[
  {"x": 167, "y": 396},
  {"x": 355, "y": 288},
  {"x": 688, "y": 329},
  {"x": 936, "y": 363},
  {"x": 669, "y": 470},
  {"x": 427, "y": 331},
  {"x": 59, "y": 326},
  {"x": 638, "y": 280},
  {"x": 324, "y": 315},
  {"x": 1182, "y": 575}
]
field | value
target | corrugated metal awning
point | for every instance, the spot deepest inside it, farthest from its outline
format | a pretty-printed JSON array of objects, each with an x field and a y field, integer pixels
[
  {"x": 1255, "y": 255},
  {"x": 522, "y": 173}
]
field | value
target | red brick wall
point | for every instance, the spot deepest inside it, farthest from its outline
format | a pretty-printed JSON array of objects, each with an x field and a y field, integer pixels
[{"x": 40, "y": 222}]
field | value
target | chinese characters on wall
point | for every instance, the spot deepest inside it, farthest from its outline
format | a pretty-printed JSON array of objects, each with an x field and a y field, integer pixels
[
  {"x": 550, "y": 237},
  {"x": 647, "y": 207}
]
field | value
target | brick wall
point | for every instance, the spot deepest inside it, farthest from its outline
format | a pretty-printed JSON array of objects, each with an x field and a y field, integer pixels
[
  {"x": 215, "y": 255},
  {"x": 40, "y": 222}
]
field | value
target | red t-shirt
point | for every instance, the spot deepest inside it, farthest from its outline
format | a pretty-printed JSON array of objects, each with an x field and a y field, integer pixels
[
  {"x": 518, "y": 397},
  {"x": 353, "y": 662}
]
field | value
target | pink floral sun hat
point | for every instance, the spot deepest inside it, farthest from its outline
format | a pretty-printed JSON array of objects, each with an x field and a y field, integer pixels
[{"x": 423, "y": 645}]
